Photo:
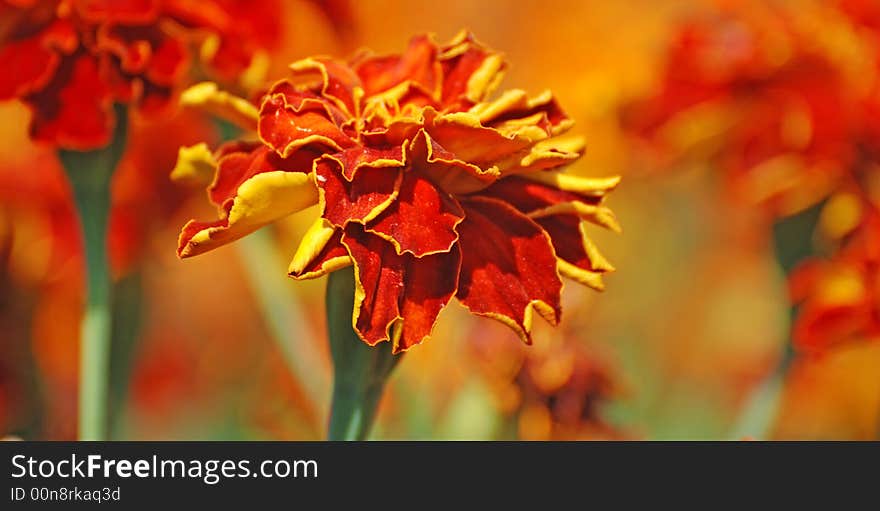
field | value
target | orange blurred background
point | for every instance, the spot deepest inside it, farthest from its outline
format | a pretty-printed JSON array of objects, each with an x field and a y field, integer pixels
[{"x": 693, "y": 322}]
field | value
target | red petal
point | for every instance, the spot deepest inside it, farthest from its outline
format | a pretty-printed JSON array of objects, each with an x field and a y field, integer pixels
[
  {"x": 529, "y": 196},
  {"x": 818, "y": 327},
  {"x": 417, "y": 64},
  {"x": 354, "y": 158},
  {"x": 118, "y": 11},
  {"x": 398, "y": 296},
  {"x": 421, "y": 220},
  {"x": 168, "y": 63},
  {"x": 359, "y": 200},
  {"x": 317, "y": 266},
  {"x": 288, "y": 122},
  {"x": 236, "y": 167},
  {"x": 551, "y": 111},
  {"x": 475, "y": 144},
  {"x": 193, "y": 227},
  {"x": 28, "y": 65},
  {"x": 74, "y": 111},
  {"x": 457, "y": 73},
  {"x": 508, "y": 268},
  {"x": 565, "y": 234},
  {"x": 330, "y": 79}
]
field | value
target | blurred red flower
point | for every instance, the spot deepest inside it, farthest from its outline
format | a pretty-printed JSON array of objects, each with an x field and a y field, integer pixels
[
  {"x": 780, "y": 111},
  {"x": 70, "y": 60},
  {"x": 790, "y": 117},
  {"x": 839, "y": 297},
  {"x": 552, "y": 391}
]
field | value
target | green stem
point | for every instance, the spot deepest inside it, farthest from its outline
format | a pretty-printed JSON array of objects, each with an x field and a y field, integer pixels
[
  {"x": 359, "y": 371},
  {"x": 90, "y": 174}
]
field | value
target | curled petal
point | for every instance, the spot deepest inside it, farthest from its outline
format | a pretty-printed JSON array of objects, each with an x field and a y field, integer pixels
[
  {"x": 537, "y": 199},
  {"x": 417, "y": 65},
  {"x": 599, "y": 215},
  {"x": 579, "y": 258},
  {"x": 446, "y": 170},
  {"x": 471, "y": 72},
  {"x": 239, "y": 162},
  {"x": 260, "y": 200},
  {"x": 144, "y": 50},
  {"x": 397, "y": 297},
  {"x": 337, "y": 82},
  {"x": 234, "y": 109},
  {"x": 514, "y": 108},
  {"x": 31, "y": 61},
  {"x": 320, "y": 252},
  {"x": 421, "y": 220},
  {"x": 355, "y": 158},
  {"x": 360, "y": 200},
  {"x": 289, "y": 122},
  {"x": 462, "y": 135},
  {"x": 195, "y": 164},
  {"x": 545, "y": 155},
  {"x": 508, "y": 268}
]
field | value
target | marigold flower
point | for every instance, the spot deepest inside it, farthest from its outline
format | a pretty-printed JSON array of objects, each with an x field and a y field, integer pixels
[
  {"x": 428, "y": 187},
  {"x": 70, "y": 60}
]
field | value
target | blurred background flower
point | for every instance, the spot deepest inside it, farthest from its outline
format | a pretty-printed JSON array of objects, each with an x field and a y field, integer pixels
[{"x": 724, "y": 119}]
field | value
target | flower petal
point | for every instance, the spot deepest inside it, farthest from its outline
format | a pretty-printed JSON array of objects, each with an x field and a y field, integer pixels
[
  {"x": 232, "y": 108},
  {"x": 421, "y": 220},
  {"x": 579, "y": 258},
  {"x": 471, "y": 72},
  {"x": 355, "y": 158},
  {"x": 508, "y": 268},
  {"x": 320, "y": 252},
  {"x": 397, "y": 297},
  {"x": 195, "y": 164},
  {"x": 240, "y": 162},
  {"x": 337, "y": 82},
  {"x": 75, "y": 110},
  {"x": 291, "y": 120},
  {"x": 538, "y": 199},
  {"x": 359, "y": 200},
  {"x": 417, "y": 65},
  {"x": 447, "y": 171},
  {"x": 515, "y": 108},
  {"x": 33, "y": 66},
  {"x": 462, "y": 135},
  {"x": 258, "y": 201}
]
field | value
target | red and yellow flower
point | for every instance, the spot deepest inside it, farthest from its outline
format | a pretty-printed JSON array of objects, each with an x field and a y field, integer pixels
[
  {"x": 428, "y": 187},
  {"x": 71, "y": 60}
]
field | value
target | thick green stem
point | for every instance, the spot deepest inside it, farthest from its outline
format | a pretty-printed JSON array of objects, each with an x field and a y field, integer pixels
[
  {"x": 359, "y": 371},
  {"x": 89, "y": 173}
]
